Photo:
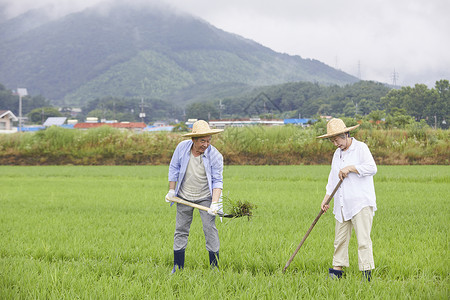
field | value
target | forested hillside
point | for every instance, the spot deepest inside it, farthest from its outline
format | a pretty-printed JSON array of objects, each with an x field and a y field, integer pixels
[{"x": 145, "y": 51}]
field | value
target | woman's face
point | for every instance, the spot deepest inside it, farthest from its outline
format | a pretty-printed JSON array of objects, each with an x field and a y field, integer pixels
[{"x": 340, "y": 142}]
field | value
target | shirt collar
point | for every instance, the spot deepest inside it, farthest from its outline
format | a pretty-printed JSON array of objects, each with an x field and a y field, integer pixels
[
  {"x": 352, "y": 146},
  {"x": 350, "y": 149}
]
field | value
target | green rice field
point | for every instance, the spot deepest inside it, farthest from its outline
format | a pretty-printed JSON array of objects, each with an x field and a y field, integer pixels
[{"x": 105, "y": 232}]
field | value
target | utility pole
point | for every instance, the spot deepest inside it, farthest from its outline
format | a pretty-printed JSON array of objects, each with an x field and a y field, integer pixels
[
  {"x": 20, "y": 112},
  {"x": 114, "y": 109},
  {"x": 221, "y": 107},
  {"x": 359, "y": 69},
  {"x": 142, "y": 113},
  {"x": 22, "y": 92}
]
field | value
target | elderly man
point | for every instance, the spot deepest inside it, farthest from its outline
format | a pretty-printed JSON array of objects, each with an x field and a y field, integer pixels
[
  {"x": 354, "y": 202},
  {"x": 195, "y": 174}
]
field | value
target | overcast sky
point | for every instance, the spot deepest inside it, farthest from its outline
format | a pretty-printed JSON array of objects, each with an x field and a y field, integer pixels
[{"x": 366, "y": 38}]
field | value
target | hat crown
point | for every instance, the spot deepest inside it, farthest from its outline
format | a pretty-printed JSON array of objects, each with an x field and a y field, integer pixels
[
  {"x": 200, "y": 127},
  {"x": 335, "y": 125}
]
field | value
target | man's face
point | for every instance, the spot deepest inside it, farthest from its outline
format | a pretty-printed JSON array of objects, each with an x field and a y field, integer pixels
[
  {"x": 201, "y": 144},
  {"x": 339, "y": 142}
]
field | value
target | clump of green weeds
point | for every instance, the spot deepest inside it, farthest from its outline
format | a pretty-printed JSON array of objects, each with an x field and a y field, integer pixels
[{"x": 238, "y": 208}]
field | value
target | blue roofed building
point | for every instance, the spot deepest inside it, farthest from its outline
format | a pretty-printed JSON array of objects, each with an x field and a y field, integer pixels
[{"x": 299, "y": 122}]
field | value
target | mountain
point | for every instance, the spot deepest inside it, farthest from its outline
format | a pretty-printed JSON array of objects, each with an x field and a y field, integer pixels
[{"x": 141, "y": 51}]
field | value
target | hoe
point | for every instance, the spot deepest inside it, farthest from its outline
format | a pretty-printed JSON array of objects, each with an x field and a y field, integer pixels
[
  {"x": 312, "y": 226},
  {"x": 181, "y": 201}
]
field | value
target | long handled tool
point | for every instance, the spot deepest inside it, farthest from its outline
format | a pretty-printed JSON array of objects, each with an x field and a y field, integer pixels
[
  {"x": 181, "y": 201},
  {"x": 312, "y": 226}
]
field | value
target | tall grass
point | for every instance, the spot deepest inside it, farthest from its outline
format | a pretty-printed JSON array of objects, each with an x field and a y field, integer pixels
[
  {"x": 104, "y": 232},
  {"x": 257, "y": 145},
  {"x": 102, "y": 145}
]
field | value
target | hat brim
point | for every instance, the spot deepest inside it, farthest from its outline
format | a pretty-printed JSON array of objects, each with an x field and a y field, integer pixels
[
  {"x": 213, "y": 131},
  {"x": 328, "y": 135}
]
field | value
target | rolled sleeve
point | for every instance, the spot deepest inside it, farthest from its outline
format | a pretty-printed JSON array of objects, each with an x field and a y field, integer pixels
[
  {"x": 174, "y": 167},
  {"x": 179, "y": 161},
  {"x": 216, "y": 169},
  {"x": 367, "y": 166}
]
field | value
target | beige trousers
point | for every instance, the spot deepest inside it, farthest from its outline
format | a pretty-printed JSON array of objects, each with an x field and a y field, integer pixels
[{"x": 362, "y": 222}]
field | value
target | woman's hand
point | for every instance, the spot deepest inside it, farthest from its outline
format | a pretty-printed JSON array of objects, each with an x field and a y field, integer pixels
[
  {"x": 343, "y": 173},
  {"x": 325, "y": 206}
]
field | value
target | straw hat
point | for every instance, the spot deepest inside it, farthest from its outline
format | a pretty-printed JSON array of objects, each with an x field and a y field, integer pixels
[
  {"x": 201, "y": 128},
  {"x": 336, "y": 127}
]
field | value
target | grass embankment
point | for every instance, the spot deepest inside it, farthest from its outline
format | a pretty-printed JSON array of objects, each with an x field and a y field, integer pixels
[
  {"x": 285, "y": 145},
  {"x": 105, "y": 232}
]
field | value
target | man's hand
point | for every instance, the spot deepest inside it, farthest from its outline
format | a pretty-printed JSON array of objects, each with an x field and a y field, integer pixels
[
  {"x": 169, "y": 195},
  {"x": 214, "y": 208}
]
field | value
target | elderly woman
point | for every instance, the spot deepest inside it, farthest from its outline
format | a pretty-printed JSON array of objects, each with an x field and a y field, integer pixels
[{"x": 355, "y": 201}]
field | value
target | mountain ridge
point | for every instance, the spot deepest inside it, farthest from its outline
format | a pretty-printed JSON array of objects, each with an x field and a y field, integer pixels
[{"x": 142, "y": 52}]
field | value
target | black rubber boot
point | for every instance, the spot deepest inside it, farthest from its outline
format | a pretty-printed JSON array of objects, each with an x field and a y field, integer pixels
[
  {"x": 335, "y": 274},
  {"x": 367, "y": 275},
  {"x": 178, "y": 260},
  {"x": 214, "y": 259}
]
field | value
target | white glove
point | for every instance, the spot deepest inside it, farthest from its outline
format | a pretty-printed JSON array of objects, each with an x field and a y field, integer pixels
[
  {"x": 214, "y": 208},
  {"x": 169, "y": 195}
]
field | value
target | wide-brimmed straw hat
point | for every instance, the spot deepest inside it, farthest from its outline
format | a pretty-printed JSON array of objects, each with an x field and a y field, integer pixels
[
  {"x": 336, "y": 127},
  {"x": 201, "y": 128}
]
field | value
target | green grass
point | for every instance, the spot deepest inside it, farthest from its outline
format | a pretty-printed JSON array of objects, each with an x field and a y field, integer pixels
[{"x": 105, "y": 232}]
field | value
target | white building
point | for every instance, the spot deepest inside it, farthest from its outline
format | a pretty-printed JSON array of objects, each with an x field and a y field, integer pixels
[
  {"x": 222, "y": 124},
  {"x": 6, "y": 119}
]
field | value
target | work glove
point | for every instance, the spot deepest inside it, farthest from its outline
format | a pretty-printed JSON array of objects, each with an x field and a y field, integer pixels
[
  {"x": 214, "y": 208},
  {"x": 169, "y": 195}
]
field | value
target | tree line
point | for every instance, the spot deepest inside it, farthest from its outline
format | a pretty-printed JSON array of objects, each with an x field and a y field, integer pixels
[{"x": 365, "y": 99}]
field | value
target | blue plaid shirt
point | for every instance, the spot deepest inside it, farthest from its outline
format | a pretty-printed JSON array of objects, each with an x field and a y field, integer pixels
[{"x": 212, "y": 160}]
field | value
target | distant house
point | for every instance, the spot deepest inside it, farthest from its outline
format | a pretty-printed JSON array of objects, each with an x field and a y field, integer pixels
[
  {"x": 221, "y": 124},
  {"x": 136, "y": 126},
  {"x": 299, "y": 122},
  {"x": 6, "y": 119},
  {"x": 54, "y": 121},
  {"x": 159, "y": 128}
]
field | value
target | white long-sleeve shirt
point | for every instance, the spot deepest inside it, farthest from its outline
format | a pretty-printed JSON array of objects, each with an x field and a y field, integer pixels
[{"x": 357, "y": 190}]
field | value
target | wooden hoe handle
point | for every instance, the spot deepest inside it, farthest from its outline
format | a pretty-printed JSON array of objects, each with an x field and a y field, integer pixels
[
  {"x": 312, "y": 226},
  {"x": 181, "y": 201}
]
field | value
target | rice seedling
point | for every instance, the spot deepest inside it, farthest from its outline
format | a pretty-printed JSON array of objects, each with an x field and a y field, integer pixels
[{"x": 105, "y": 232}]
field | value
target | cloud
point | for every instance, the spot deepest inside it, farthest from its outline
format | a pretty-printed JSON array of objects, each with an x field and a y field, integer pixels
[
  {"x": 358, "y": 36},
  {"x": 378, "y": 36}
]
